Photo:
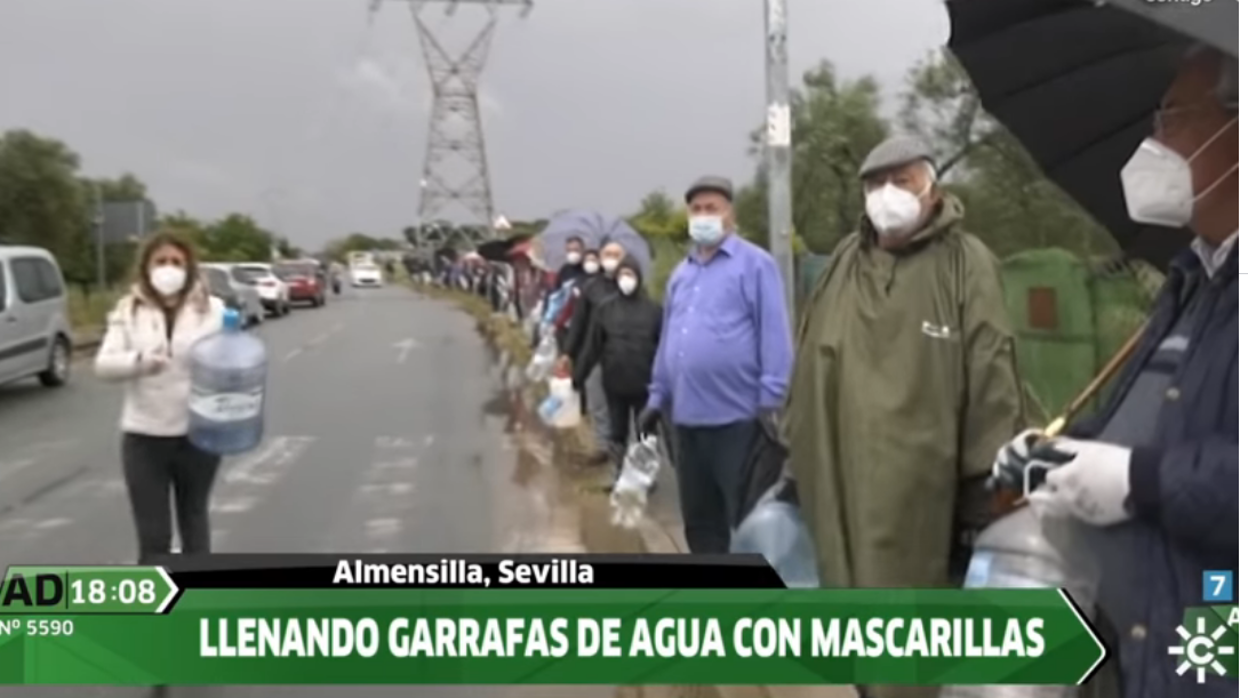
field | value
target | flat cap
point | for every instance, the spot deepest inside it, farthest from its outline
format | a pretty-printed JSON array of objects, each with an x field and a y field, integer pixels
[
  {"x": 719, "y": 185},
  {"x": 895, "y": 152}
]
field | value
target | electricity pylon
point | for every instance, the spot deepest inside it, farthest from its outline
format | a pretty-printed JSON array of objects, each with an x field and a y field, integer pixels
[{"x": 455, "y": 185}]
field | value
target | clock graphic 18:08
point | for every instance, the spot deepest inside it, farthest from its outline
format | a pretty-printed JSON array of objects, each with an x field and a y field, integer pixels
[{"x": 95, "y": 590}]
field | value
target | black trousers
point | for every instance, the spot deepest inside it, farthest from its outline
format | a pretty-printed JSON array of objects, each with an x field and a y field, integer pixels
[
  {"x": 709, "y": 470},
  {"x": 156, "y": 467},
  {"x": 624, "y": 411}
]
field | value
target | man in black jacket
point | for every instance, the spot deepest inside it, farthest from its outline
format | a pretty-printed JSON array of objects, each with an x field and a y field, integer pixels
[{"x": 623, "y": 338}]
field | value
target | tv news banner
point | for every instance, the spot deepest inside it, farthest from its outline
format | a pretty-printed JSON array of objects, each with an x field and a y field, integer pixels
[{"x": 384, "y": 619}]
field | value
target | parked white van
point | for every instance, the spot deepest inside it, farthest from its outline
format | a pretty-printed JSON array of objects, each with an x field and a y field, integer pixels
[{"x": 35, "y": 338}]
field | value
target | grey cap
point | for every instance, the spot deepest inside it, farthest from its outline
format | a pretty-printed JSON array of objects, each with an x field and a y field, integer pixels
[
  {"x": 895, "y": 152},
  {"x": 719, "y": 185}
]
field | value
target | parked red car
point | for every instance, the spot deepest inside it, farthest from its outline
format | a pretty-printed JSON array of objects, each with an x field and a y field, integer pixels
[{"x": 305, "y": 281}]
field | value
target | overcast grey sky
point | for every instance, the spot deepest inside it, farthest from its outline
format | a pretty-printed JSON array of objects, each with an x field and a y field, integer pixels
[{"x": 295, "y": 112}]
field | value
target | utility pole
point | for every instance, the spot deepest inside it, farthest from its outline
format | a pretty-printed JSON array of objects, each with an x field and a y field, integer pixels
[
  {"x": 456, "y": 178},
  {"x": 780, "y": 148},
  {"x": 97, "y": 223}
]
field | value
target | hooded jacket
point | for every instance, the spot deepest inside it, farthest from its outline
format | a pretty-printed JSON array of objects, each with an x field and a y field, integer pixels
[
  {"x": 592, "y": 290},
  {"x": 904, "y": 387},
  {"x": 624, "y": 336},
  {"x": 155, "y": 404}
]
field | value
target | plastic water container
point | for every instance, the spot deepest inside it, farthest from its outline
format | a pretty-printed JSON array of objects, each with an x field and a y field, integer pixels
[
  {"x": 1018, "y": 551},
  {"x": 544, "y": 357},
  {"x": 562, "y": 408},
  {"x": 638, "y": 474},
  {"x": 775, "y": 530},
  {"x": 228, "y": 373}
]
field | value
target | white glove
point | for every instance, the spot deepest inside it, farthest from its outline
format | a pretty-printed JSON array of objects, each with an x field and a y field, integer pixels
[{"x": 1092, "y": 487}]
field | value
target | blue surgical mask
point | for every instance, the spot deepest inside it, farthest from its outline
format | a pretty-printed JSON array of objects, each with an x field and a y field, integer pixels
[{"x": 706, "y": 230}]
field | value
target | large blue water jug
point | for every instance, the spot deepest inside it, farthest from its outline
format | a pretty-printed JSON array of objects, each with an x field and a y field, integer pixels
[
  {"x": 775, "y": 530},
  {"x": 228, "y": 372}
]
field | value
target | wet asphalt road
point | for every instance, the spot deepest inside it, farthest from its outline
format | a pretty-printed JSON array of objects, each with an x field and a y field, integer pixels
[{"x": 377, "y": 440}]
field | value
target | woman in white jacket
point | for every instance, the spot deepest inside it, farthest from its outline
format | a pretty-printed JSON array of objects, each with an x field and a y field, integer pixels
[{"x": 147, "y": 347}]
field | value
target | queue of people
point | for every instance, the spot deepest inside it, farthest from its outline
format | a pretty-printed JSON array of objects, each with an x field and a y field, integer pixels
[
  {"x": 898, "y": 401},
  {"x": 901, "y": 399}
]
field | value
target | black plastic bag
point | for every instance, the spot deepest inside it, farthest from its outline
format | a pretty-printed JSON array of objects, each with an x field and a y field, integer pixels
[{"x": 764, "y": 467}]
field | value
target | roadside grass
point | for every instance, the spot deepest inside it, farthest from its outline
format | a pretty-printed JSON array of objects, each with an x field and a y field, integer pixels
[
  {"x": 508, "y": 337},
  {"x": 88, "y": 312}
]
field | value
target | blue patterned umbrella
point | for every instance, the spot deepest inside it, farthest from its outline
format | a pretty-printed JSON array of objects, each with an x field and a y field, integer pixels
[{"x": 596, "y": 230}]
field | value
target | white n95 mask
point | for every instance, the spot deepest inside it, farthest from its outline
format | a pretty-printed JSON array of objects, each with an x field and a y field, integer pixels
[
  {"x": 167, "y": 279},
  {"x": 893, "y": 210},
  {"x": 1157, "y": 183}
]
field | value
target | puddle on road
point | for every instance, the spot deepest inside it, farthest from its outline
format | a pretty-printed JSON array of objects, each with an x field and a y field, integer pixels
[{"x": 562, "y": 495}]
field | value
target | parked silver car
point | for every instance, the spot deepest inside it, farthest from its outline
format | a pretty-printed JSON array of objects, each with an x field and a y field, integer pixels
[
  {"x": 251, "y": 306},
  {"x": 35, "y": 337}
]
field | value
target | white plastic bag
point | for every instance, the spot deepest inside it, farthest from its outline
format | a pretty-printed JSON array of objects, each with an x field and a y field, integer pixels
[
  {"x": 638, "y": 474},
  {"x": 562, "y": 408}
]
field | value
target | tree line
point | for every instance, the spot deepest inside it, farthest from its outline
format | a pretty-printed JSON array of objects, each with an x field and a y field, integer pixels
[
  {"x": 1010, "y": 204},
  {"x": 46, "y": 201}
]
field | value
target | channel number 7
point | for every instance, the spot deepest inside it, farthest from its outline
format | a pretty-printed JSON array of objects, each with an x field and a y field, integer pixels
[{"x": 1218, "y": 586}]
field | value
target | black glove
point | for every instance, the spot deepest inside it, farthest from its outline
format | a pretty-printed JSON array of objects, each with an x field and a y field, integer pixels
[
  {"x": 1010, "y": 469},
  {"x": 648, "y": 422}
]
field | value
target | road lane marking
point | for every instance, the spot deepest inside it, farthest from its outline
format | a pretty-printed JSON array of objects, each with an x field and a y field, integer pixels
[
  {"x": 233, "y": 505},
  {"x": 382, "y": 499},
  {"x": 383, "y": 527},
  {"x": 263, "y": 467},
  {"x": 53, "y": 523},
  {"x": 318, "y": 339},
  {"x": 397, "y": 464},
  {"x": 13, "y": 467},
  {"x": 405, "y": 347},
  {"x": 393, "y": 489},
  {"x": 292, "y": 354}
]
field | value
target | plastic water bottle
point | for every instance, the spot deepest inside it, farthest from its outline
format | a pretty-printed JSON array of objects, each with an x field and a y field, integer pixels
[
  {"x": 775, "y": 530},
  {"x": 228, "y": 371},
  {"x": 544, "y": 357},
  {"x": 1019, "y": 551},
  {"x": 638, "y": 474}
]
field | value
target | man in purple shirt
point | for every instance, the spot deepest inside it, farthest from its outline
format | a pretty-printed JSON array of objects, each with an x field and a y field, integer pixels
[{"x": 723, "y": 362}]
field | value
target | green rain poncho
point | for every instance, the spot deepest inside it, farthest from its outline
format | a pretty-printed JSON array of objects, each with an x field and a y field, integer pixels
[{"x": 904, "y": 387}]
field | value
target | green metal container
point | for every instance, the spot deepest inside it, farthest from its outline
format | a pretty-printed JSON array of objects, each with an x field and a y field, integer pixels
[{"x": 1070, "y": 316}]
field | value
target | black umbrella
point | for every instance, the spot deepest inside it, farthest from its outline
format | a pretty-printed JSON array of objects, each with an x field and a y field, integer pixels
[
  {"x": 1077, "y": 85},
  {"x": 497, "y": 250},
  {"x": 1211, "y": 22}
]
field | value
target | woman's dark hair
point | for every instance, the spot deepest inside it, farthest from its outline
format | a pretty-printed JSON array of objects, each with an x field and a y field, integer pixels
[{"x": 167, "y": 238}]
